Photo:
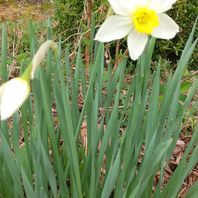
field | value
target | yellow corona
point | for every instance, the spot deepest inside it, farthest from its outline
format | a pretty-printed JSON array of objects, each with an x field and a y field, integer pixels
[{"x": 145, "y": 20}]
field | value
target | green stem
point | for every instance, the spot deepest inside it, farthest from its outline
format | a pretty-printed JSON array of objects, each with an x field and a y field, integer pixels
[{"x": 27, "y": 73}]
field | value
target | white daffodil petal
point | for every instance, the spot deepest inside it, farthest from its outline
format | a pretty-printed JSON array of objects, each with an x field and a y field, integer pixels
[
  {"x": 12, "y": 95},
  {"x": 140, "y": 2},
  {"x": 161, "y": 5},
  {"x": 136, "y": 43},
  {"x": 126, "y": 7},
  {"x": 40, "y": 54},
  {"x": 167, "y": 28},
  {"x": 121, "y": 7},
  {"x": 114, "y": 27}
]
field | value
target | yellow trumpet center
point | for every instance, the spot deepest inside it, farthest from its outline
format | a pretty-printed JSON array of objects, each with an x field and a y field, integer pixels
[{"x": 145, "y": 20}]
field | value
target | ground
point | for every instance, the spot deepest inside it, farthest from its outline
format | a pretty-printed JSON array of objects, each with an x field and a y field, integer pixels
[{"x": 24, "y": 10}]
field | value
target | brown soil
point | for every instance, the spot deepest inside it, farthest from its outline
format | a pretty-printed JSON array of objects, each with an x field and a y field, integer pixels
[{"x": 24, "y": 10}]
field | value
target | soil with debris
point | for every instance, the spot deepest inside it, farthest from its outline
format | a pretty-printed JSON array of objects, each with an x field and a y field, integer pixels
[{"x": 24, "y": 10}]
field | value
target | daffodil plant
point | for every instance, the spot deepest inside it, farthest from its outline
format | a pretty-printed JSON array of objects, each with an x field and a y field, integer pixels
[
  {"x": 138, "y": 19},
  {"x": 14, "y": 92},
  {"x": 120, "y": 141}
]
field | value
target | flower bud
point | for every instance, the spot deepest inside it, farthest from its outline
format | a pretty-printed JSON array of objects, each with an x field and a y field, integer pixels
[
  {"x": 40, "y": 54},
  {"x": 13, "y": 93}
]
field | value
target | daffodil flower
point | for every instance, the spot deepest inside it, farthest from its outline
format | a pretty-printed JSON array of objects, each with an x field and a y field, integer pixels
[
  {"x": 14, "y": 92},
  {"x": 138, "y": 19}
]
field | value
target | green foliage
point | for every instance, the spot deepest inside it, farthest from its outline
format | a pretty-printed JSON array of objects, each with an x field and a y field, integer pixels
[
  {"x": 184, "y": 13},
  {"x": 18, "y": 43},
  {"x": 68, "y": 15},
  {"x": 53, "y": 161},
  {"x": 71, "y": 16}
]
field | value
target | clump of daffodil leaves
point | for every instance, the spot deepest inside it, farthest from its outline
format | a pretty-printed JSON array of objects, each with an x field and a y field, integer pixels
[
  {"x": 138, "y": 19},
  {"x": 14, "y": 92}
]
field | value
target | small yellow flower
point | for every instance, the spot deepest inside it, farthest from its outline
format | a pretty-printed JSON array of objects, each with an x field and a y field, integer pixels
[
  {"x": 138, "y": 19},
  {"x": 12, "y": 95}
]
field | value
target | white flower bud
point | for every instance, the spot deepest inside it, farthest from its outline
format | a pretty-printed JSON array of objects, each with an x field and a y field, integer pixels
[{"x": 12, "y": 95}]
